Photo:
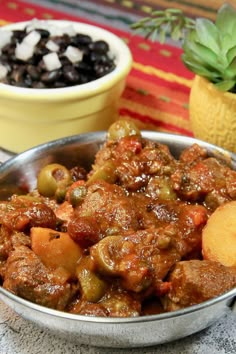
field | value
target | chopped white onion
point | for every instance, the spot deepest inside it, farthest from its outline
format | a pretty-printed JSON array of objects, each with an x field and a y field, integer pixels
[
  {"x": 24, "y": 51},
  {"x": 5, "y": 38},
  {"x": 55, "y": 30},
  {"x": 73, "y": 54},
  {"x": 36, "y": 24},
  {"x": 32, "y": 38},
  {"x": 3, "y": 71},
  {"x": 52, "y": 46},
  {"x": 52, "y": 28},
  {"x": 69, "y": 30},
  {"x": 51, "y": 61}
]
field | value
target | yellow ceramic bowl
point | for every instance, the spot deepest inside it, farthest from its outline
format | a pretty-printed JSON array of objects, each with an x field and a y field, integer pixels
[{"x": 30, "y": 116}]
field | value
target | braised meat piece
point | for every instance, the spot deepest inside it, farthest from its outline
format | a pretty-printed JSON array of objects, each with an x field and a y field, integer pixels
[
  {"x": 21, "y": 213},
  {"x": 206, "y": 180},
  {"x": 141, "y": 259},
  {"x": 108, "y": 205},
  {"x": 195, "y": 281},
  {"x": 136, "y": 161},
  {"x": 186, "y": 221},
  {"x": 115, "y": 303},
  {"x": 28, "y": 278},
  {"x": 9, "y": 240}
]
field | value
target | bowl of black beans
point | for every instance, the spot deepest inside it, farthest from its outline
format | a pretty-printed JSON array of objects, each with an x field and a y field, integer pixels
[{"x": 58, "y": 78}]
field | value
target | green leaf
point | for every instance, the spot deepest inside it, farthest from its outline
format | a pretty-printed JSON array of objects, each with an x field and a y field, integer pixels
[
  {"x": 208, "y": 34},
  {"x": 226, "y": 85},
  {"x": 204, "y": 55},
  {"x": 225, "y": 19},
  {"x": 231, "y": 54},
  {"x": 176, "y": 33},
  {"x": 199, "y": 69},
  {"x": 231, "y": 70}
]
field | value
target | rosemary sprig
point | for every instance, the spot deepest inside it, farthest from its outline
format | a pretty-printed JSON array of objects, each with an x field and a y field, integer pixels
[{"x": 169, "y": 22}]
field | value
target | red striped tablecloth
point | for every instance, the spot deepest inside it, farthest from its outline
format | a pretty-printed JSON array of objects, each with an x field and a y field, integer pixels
[{"x": 157, "y": 91}]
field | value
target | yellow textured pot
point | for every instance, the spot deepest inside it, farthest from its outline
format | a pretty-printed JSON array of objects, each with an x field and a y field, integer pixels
[{"x": 213, "y": 114}]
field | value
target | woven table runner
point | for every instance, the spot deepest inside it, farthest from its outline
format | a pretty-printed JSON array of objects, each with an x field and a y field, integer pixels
[{"x": 157, "y": 90}]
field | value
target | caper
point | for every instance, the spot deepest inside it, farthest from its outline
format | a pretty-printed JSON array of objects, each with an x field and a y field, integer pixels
[
  {"x": 77, "y": 195},
  {"x": 52, "y": 178},
  {"x": 122, "y": 128}
]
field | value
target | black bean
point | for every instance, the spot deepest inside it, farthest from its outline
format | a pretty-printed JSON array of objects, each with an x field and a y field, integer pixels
[
  {"x": 33, "y": 72},
  {"x": 62, "y": 41},
  {"x": 39, "y": 85},
  {"x": 99, "y": 47},
  {"x": 28, "y": 80},
  {"x": 50, "y": 76},
  {"x": 81, "y": 40},
  {"x": 85, "y": 78},
  {"x": 70, "y": 74},
  {"x": 102, "y": 70},
  {"x": 64, "y": 60},
  {"x": 18, "y": 74},
  {"x": 59, "y": 84},
  {"x": 83, "y": 67},
  {"x": 9, "y": 49},
  {"x": 18, "y": 35},
  {"x": 44, "y": 33},
  {"x": 41, "y": 50},
  {"x": 41, "y": 66}
]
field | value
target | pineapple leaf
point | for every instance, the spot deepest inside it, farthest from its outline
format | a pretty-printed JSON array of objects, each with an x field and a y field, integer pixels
[
  {"x": 225, "y": 19},
  {"x": 226, "y": 85},
  {"x": 208, "y": 34}
]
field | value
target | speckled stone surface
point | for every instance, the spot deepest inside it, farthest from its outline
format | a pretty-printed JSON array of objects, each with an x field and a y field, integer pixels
[{"x": 18, "y": 336}]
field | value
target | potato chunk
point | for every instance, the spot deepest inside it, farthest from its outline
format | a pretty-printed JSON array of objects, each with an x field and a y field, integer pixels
[
  {"x": 219, "y": 235},
  {"x": 55, "y": 249}
]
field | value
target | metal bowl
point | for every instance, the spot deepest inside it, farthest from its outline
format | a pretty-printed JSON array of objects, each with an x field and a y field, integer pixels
[{"x": 99, "y": 331}]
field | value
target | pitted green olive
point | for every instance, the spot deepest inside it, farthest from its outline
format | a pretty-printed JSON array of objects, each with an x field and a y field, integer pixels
[
  {"x": 92, "y": 286},
  {"x": 52, "y": 178},
  {"x": 106, "y": 173},
  {"x": 105, "y": 253},
  {"x": 121, "y": 129}
]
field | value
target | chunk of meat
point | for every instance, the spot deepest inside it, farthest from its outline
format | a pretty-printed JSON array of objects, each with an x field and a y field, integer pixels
[
  {"x": 28, "y": 278},
  {"x": 136, "y": 161},
  {"x": 187, "y": 221},
  {"x": 9, "y": 240},
  {"x": 141, "y": 259},
  {"x": 208, "y": 181},
  {"x": 110, "y": 207},
  {"x": 19, "y": 214},
  {"x": 195, "y": 281}
]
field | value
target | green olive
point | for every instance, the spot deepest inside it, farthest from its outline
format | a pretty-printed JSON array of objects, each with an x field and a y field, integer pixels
[
  {"x": 106, "y": 172},
  {"x": 53, "y": 178},
  {"x": 93, "y": 288},
  {"x": 121, "y": 129},
  {"x": 163, "y": 188},
  {"x": 105, "y": 253},
  {"x": 166, "y": 191}
]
